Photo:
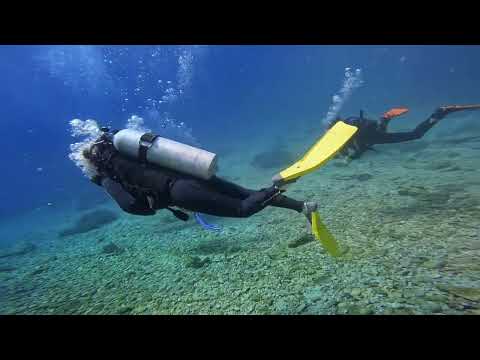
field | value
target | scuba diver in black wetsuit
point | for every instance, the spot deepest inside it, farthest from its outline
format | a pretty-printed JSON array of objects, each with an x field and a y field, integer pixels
[
  {"x": 371, "y": 132},
  {"x": 141, "y": 188}
]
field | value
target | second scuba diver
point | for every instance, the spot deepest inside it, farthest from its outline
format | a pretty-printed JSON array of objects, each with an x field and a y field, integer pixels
[{"x": 372, "y": 132}]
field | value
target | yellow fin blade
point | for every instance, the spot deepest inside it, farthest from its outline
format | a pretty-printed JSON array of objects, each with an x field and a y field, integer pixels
[
  {"x": 322, "y": 234},
  {"x": 320, "y": 153}
]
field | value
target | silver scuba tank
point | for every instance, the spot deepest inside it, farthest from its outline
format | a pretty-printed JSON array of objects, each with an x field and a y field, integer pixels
[{"x": 166, "y": 153}]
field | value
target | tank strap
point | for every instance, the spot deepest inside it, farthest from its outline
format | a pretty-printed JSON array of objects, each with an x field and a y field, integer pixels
[{"x": 146, "y": 141}]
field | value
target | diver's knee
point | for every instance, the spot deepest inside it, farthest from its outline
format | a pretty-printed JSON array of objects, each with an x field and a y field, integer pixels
[
  {"x": 245, "y": 212},
  {"x": 248, "y": 209},
  {"x": 418, "y": 135}
]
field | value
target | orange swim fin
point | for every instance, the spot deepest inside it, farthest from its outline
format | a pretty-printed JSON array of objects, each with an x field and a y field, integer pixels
[{"x": 390, "y": 114}]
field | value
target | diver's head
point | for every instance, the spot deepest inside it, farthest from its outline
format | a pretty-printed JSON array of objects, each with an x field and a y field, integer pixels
[
  {"x": 99, "y": 152},
  {"x": 84, "y": 153},
  {"x": 95, "y": 152},
  {"x": 87, "y": 153},
  {"x": 88, "y": 160},
  {"x": 92, "y": 152}
]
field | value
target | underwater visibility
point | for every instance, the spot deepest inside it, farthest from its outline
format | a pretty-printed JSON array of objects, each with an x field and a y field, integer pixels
[{"x": 235, "y": 180}]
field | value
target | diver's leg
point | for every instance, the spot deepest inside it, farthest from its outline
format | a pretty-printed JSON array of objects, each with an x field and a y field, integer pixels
[
  {"x": 423, "y": 127},
  {"x": 306, "y": 208},
  {"x": 417, "y": 133},
  {"x": 392, "y": 138},
  {"x": 228, "y": 188},
  {"x": 237, "y": 191},
  {"x": 282, "y": 201},
  {"x": 199, "y": 196}
]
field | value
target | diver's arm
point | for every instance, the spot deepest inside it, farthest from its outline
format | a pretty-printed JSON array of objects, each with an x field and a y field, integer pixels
[
  {"x": 125, "y": 200},
  {"x": 97, "y": 180}
]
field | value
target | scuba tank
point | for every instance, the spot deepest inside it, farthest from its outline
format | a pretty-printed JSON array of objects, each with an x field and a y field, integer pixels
[{"x": 153, "y": 149}]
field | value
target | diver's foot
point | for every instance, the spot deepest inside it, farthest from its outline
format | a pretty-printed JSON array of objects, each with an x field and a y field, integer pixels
[{"x": 309, "y": 207}]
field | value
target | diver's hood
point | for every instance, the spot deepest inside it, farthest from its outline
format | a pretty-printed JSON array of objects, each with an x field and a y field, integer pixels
[{"x": 102, "y": 150}]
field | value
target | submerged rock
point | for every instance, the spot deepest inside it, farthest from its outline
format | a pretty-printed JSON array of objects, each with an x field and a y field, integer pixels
[
  {"x": 451, "y": 187},
  {"x": 439, "y": 165},
  {"x": 363, "y": 177},
  {"x": 413, "y": 146},
  {"x": 435, "y": 198},
  {"x": 274, "y": 159},
  {"x": 89, "y": 200},
  {"x": 305, "y": 239},
  {"x": 22, "y": 249},
  {"x": 458, "y": 140},
  {"x": 432, "y": 308},
  {"x": 124, "y": 310},
  {"x": 90, "y": 221},
  {"x": 356, "y": 292},
  {"x": 472, "y": 294},
  {"x": 218, "y": 246},
  {"x": 39, "y": 269},
  {"x": 453, "y": 154},
  {"x": 434, "y": 264},
  {"x": 413, "y": 191},
  {"x": 454, "y": 168},
  {"x": 358, "y": 177},
  {"x": 112, "y": 248},
  {"x": 426, "y": 199},
  {"x": 7, "y": 268},
  {"x": 195, "y": 262},
  {"x": 340, "y": 163}
]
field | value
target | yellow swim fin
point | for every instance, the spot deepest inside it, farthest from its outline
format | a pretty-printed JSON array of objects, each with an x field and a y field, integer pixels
[
  {"x": 322, "y": 234},
  {"x": 320, "y": 153}
]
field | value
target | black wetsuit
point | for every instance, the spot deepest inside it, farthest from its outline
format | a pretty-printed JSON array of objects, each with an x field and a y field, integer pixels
[
  {"x": 142, "y": 189},
  {"x": 372, "y": 132}
]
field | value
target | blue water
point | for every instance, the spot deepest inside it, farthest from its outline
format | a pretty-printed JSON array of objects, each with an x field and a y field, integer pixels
[
  {"x": 234, "y": 91},
  {"x": 223, "y": 98}
]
